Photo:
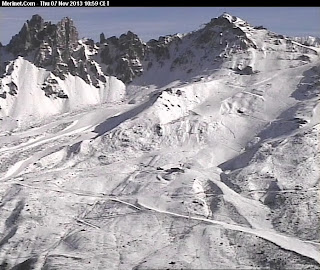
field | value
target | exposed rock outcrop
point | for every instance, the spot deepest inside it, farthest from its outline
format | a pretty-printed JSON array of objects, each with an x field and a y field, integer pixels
[{"x": 123, "y": 55}]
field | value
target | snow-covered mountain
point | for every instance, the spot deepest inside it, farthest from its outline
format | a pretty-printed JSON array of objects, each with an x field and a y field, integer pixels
[
  {"x": 309, "y": 41},
  {"x": 193, "y": 151}
]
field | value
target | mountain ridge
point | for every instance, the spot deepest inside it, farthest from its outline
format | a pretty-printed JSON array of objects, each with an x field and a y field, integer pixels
[
  {"x": 128, "y": 51},
  {"x": 56, "y": 48}
]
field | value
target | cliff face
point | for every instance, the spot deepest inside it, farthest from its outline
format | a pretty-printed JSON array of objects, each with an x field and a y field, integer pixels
[
  {"x": 29, "y": 37},
  {"x": 46, "y": 44},
  {"x": 123, "y": 56}
]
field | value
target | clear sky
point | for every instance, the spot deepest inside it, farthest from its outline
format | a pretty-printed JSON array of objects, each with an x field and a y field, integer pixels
[{"x": 153, "y": 22}]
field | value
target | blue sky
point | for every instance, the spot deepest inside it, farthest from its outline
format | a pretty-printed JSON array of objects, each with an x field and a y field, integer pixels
[{"x": 153, "y": 22}]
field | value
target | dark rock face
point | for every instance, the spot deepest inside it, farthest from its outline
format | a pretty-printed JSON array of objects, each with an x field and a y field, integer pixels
[
  {"x": 123, "y": 56},
  {"x": 65, "y": 41},
  {"x": 160, "y": 48},
  {"x": 12, "y": 88},
  {"x": 102, "y": 38},
  {"x": 28, "y": 38},
  {"x": 245, "y": 71},
  {"x": 221, "y": 32},
  {"x": 51, "y": 89},
  {"x": 37, "y": 34},
  {"x": 49, "y": 46},
  {"x": 56, "y": 47},
  {"x": 53, "y": 44},
  {"x": 2, "y": 70},
  {"x": 66, "y": 36}
]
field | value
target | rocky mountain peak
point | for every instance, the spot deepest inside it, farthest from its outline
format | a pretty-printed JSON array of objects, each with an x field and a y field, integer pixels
[
  {"x": 226, "y": 31},
  {"x": 36, "y": 22},
  {"x": 123, "y": 55},
  {"x": 50, "y": 44},
  {"x": 28, "y": 37},
  {"x": 226, "y": 21},
  {"x": 229, "y": 17},
  {"x": 38, "y": 34},
  {"x": 67, "y": 34},
  {"x": 102, "y": 38}
]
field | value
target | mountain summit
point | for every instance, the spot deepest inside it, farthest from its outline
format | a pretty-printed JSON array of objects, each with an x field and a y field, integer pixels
[{"x": 36, "y": 34}]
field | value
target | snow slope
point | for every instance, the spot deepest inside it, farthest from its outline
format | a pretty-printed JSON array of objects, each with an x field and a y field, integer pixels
[
  {"x": 217, "y": 169},
  {"x": 30, "y": 103}
]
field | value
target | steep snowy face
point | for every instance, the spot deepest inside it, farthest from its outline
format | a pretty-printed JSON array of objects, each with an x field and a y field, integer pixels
[
  {"x": 225, "y": 42},
  {"x": 186, "y": 55},
  {"x": 29, "y": 93}
]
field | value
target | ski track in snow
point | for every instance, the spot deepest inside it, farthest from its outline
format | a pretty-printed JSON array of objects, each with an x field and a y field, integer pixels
[
  {"x": 285, "y": 242},
  {"x": 28, "y": 145},
  {"x": 82, "y": 128},
  {"x": 267, "y": 80}
]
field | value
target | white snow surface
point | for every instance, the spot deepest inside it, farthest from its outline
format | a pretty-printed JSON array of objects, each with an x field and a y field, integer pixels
[
  {"x": 30, "y": 103},
  {"x": 218, "y": 170}
]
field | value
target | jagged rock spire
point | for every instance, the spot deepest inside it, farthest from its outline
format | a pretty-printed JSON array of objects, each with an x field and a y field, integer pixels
[
  {"x": 36, "y": 32},
  {"x": 66, "y": 34},
  {"x": 102, "y": 38},
  {"x": 27, "y": 39}
]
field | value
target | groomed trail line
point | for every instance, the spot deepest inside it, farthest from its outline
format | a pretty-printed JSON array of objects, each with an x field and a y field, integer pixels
[{"x": 288, "y": 243}]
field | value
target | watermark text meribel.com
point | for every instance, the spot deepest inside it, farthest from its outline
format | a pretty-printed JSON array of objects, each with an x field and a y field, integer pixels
[
  {"x": 18, "y": 4},
  {"x": 55, "y": 3}
]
